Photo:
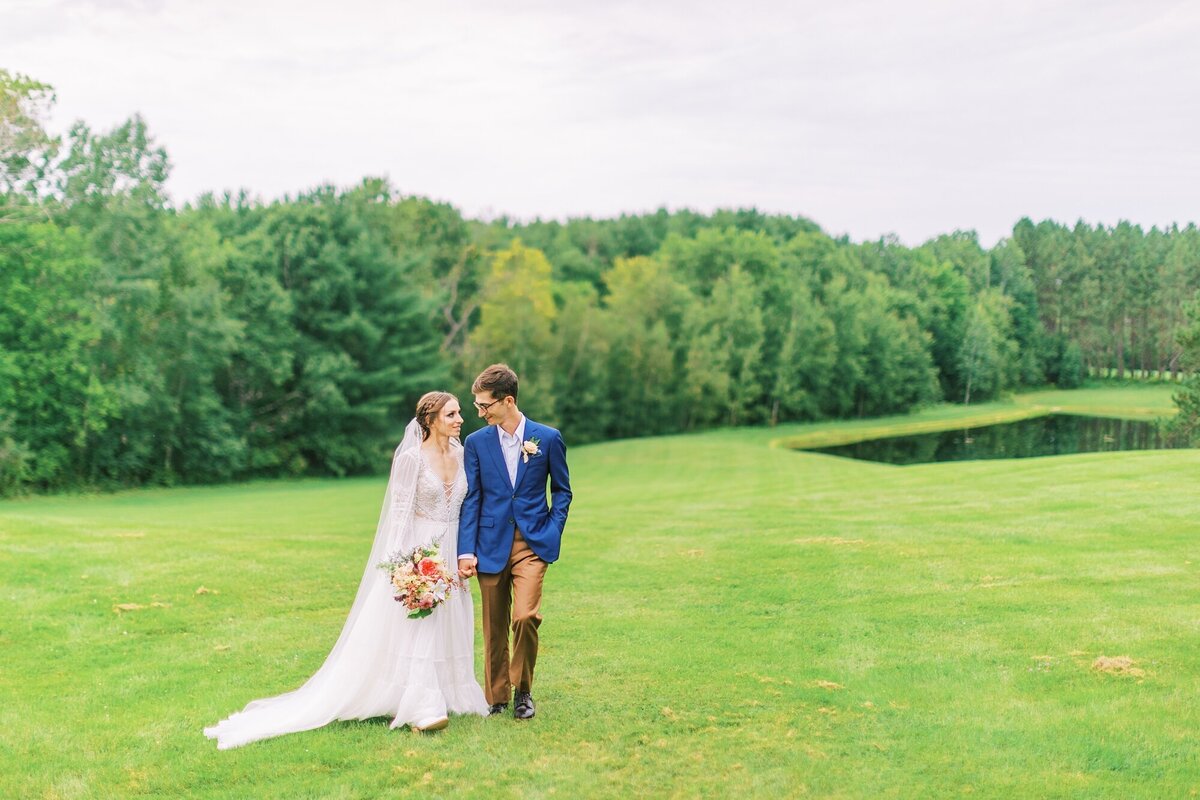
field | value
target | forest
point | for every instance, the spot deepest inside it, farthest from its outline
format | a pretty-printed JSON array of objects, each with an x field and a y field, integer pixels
[{"x": 231, "y": 337}]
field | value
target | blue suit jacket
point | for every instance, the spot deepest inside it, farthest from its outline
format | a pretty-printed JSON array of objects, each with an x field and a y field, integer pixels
[{"x": 494, "y": 506}]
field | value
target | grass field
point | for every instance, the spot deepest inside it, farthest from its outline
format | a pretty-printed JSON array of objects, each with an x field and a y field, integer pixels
[{"x": 728, "y": 619}]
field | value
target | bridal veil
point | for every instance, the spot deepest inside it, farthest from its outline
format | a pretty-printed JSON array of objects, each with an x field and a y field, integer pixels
[{"x": 353, "y": 682}]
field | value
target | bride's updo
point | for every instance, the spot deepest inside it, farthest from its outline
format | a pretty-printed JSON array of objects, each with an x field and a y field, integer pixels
[{"x": 428, "y": 407}]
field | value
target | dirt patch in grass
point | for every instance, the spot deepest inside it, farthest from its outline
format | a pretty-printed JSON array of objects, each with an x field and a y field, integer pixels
[
  {"x": 121, "y": 608},
  {"x": 1118, "y": 665}
]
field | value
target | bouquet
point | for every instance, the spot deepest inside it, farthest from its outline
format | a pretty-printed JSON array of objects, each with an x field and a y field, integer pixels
[{"x": 420, "y": 578}]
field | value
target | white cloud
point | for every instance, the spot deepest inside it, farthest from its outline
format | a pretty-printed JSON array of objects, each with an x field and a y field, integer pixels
[{"x": 869, "y": 117}]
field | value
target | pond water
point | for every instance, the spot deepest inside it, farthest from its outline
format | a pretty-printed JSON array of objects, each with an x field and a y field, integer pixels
[{"x": 1054, "y": 435}]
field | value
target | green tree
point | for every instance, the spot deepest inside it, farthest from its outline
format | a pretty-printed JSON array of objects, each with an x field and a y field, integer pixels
[
  {"x": 703, "y": 261},
  {"x": 26, "y": 148},
  {"x": 899, "y": 371},
  {"x": 257, "y": 383},
  {"x": 645, "y": 307},
  {"x": 805, "y": 361},
  {"x": 944, "y": 300},
  {"x": 846, "y": 309},
  {"x": 516, "y": 326},
  {"x": 987, "y": 355},
  {"x": 962, "y": 252},
  {"x": 124, "y": 162},
  {"x": 366, "y": 346},
  {"x": 1012, "y": 277},
  {"x": 1178, "y": 279},
  {"x": 722, "y": 372},
  {"x": 49, "y": 400},
  {"x": 979, "y": 354},
  {"x": 163, "y": 333},
  {"x": 1186, "y": 423},
  {"x": 434, "y": 246},
  {"x": 580, "y": 358}
]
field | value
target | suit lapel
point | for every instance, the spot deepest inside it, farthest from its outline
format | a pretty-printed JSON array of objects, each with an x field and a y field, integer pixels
[
  {"x": 522, "y": 463},
  {"x": 493, "y": 439}
]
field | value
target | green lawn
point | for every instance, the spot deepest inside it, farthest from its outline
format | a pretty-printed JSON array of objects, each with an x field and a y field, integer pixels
[
  {"x": 729, "y": 619},
  {"x": 1128, "y": 400}
]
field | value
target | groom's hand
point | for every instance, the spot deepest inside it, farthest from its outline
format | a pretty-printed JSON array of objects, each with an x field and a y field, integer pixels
[{"x": 466, "y": 567}]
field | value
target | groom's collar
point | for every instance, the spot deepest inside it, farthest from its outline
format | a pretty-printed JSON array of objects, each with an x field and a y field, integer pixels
[{"x": 519, "y": 432}]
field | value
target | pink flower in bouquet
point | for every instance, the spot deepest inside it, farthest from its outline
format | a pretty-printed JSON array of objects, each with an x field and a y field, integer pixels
[{"x": 420, "y": 580}]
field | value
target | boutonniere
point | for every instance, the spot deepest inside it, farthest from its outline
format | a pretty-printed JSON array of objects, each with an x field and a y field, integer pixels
[{"x": 530, "y": 448}]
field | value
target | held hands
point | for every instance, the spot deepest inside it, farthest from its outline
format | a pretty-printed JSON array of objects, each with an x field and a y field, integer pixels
[{"x": 466, "y": 567}]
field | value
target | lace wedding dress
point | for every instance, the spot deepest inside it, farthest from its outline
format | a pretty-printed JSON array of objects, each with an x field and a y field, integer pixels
[{"x": 385, "y": 664}]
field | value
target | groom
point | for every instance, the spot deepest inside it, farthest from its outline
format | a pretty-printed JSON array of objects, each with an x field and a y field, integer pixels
[{"x": 507, "y": 533}]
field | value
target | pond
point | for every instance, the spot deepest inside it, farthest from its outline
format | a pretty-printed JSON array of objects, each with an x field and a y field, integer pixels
[{"x": 1053, "y": 435}]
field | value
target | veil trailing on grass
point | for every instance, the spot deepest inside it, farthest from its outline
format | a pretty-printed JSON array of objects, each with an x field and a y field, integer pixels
[{"x": 355, "y": 676}]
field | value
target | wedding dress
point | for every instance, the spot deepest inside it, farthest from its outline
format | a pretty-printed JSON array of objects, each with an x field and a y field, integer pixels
[{"x": 385, "y": 664}]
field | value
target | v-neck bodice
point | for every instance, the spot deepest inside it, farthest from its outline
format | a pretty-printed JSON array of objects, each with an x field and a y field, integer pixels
[{"x": 436, "y": 500}]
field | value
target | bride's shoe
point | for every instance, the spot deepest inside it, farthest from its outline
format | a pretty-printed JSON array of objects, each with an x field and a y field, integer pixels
[{"x": 435, "y": 724}]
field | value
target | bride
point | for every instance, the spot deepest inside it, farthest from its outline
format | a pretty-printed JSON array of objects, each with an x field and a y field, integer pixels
[{"x": 385, "y": 664}]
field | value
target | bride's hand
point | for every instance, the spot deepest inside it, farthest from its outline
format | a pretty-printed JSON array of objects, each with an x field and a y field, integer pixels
[{"x": 466, "y": 567}]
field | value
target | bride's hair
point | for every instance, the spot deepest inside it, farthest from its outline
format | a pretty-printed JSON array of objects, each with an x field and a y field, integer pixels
[{"x": 428, "y": 407}]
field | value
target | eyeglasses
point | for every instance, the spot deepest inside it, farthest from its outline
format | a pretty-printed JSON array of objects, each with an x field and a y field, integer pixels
[{"x": 486, "y": 406}]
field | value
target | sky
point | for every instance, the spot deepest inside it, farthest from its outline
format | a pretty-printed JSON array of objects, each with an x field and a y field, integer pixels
[{"x": 909, "y": 118}]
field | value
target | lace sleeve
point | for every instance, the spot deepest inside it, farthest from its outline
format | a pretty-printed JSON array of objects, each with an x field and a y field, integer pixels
[{"x": 405, "y": 471}]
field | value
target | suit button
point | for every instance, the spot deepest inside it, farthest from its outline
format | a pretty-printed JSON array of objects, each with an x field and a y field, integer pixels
[
  {"x": 512, "y": 521},
  {"x": 514, "y": 496}
]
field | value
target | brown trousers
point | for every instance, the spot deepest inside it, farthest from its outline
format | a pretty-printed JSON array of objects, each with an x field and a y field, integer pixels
[{"x": 512, "y": 596}]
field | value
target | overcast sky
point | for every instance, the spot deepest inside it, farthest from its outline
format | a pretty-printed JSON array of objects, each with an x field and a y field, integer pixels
[{"x": 907, "y": 117}]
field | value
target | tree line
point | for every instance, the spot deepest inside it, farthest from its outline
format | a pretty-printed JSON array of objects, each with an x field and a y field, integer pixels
[{"x": 230, "y": 338}]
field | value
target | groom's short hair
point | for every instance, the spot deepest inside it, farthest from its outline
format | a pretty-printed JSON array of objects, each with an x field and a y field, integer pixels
[{"x": 499, "y": 379}]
